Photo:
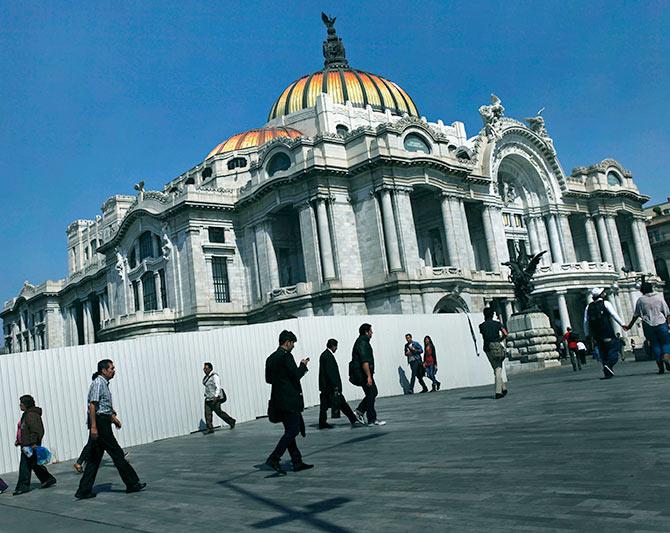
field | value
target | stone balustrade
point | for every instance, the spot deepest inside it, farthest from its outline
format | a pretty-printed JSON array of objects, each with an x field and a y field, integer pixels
[{"x": 282, "y": 293}]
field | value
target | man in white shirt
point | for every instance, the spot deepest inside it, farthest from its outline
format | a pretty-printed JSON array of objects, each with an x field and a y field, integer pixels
[
  {"x": 598, "y": 317},
  {"x": 214, "y": 397}
]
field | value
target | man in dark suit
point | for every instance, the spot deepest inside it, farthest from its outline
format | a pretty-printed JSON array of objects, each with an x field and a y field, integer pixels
[
  {"x": 286, "y": 401},
  {"x": 330, "y": 385}
]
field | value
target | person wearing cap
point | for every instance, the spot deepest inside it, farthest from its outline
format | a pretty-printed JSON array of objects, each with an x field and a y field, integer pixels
[
  {"x": 598, "y": 317},
  {"x": 654, "y": 312}
]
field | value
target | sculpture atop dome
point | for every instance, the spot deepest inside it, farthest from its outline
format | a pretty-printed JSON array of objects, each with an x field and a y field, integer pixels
[{"x": 333, "y": 48}]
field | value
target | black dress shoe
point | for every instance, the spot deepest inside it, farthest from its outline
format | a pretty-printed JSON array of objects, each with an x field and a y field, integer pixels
[
  {"x": 498, "y": 395},
  {"x": 17, "y": 492},
  {"x": 135, "y": 488},
  {"x": 297, "y": 467},
  {"x": 505, "y": 392},
  {"x": 49, "y": 483},
  {"x": 326, "y": 426},
  {"x": 85, "y": 495},
  {"x": 276, "y": 466}
]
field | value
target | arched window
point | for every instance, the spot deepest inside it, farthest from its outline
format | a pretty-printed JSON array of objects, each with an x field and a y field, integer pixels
[
  {"x": 416, "y": 143},
  {"x": 279, "y": 162},
  {"x": 206, "y": 173},
  {"x": 149, "y": 292},
  {"x": 190, "y": 181},
  {"x": 613, "y": 179},
  {"x": 237, "y": 162},
  {"x": 341, "y": 129},
  {"x": 146, "y": 245}
]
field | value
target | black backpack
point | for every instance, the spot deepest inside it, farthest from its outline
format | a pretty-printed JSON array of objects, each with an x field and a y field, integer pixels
[{"x": 599, "y": 320}]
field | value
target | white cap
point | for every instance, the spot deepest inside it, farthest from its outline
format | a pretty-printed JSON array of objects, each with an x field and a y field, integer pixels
[{"x": 596, "y": 291}]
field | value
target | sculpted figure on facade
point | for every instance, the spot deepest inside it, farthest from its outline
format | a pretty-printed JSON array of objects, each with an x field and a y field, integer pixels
[
  {"x": 167, "y": 244},
  {"x": 121, "y": 263},
  {"x": 536, "y": 124},
  {"x": 491, "y": 115}
]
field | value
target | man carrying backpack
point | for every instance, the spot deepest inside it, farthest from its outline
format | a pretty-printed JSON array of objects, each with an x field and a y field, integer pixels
[
  {"x": 361, "y": 373},
  {"x": 598, "y": 317},
  {"x": 214, "y": 397},
  {"x": 571, "y": 338}
]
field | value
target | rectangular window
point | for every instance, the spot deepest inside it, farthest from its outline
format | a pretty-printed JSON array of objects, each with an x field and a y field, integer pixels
[
  {"x": 220, "y": 276},
  {"x": 518, "y": 221},
  {"x": 216, "y": 234},
  {"x": 149, "y": 291},
  {"x": 507, "y": 221},
  {"x": 136, "y": 295},
  {"x": 146, "y": 246},
  {"x": 161, "y": 275},
  {"x": 511, "y": 248}
]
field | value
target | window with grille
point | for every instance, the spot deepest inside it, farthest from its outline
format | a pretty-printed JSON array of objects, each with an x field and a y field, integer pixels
[
  {"x": 220, "y": 276},
  {"x": 136, "y": 295},
  {"x": 161, "y": 275},
  {"x": 146, "y": 246},
  {"x": 149, "y": 290}
]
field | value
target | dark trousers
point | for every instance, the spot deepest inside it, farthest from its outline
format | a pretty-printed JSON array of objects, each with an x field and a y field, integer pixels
[
  {"x": 28, "y": 465},
  {"x": 417, "y": 372},
  {"x": 214, "y": 406},
  {"x": 86, "y": 451},
  {"x": 106, "y": 442},
  {"x": 368, "y": 403},
  {"x": 609, "y": 352},
  {"x": 336, "y": 401},
  {"x": 291, "y": 423}
]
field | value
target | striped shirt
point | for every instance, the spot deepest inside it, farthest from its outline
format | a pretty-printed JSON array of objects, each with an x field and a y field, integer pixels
[{"x": 101, "y": 396}]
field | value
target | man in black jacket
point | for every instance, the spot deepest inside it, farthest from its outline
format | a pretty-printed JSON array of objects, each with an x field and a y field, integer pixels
[
  {"x": 286, "y": 401},
  {"x": 330, "y": 385},
  {"x": 364, "y": 358}
]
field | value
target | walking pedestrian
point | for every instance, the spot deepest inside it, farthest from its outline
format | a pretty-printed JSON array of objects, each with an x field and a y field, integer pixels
[
  {"x": 361, "y": 373},
  {"x": 330, "y": 386},
  {"x": 655, "y": 315},
  {"x": 622, "y": 347},
  {"x": 493, "y": 334},
  {"x": 215, "y": 396},
  {"x": 86, "y": 450},
  {"x": 571, "y": 338},
  {"x": 430, "y": 362},
  {"x": 286, "y": 401},
  {"x": 581, "y": 352},
  {"x": 29, "y": 435},
  {"x": 100, "y": 412},
  {"x": 413, "y": 351},
  {"x": 598, "y": 317}
]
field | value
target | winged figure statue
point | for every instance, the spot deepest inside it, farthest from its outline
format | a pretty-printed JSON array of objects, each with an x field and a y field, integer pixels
[{"x": 522, "y": 270}]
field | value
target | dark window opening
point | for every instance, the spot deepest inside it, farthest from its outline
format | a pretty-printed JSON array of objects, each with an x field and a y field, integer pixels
[
  {"x": 149, "y": 292},
  {"x": 132, "y": 259},
  {"x": 416, "y": 143},
  {"x": 341, "y": 129},
  {"x": 216, "y": 234},
  {"x": 237, "y": 162},
  {"x": 206, "y": 173},
  {"x": 190, "y": 181},
  {"x": 220, "y": 277},
  {"x": 136, "y": 295},
  {"x": 278, "y": 163},
  {"x": 161, "y": 275},
  {"x": 146, "y": 245}
]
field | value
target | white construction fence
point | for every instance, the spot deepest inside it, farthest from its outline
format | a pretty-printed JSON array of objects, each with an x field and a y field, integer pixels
[{"x": 158, "y": 389}]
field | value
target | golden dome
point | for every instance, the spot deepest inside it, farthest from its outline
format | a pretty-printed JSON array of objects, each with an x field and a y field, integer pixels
[
  {"x": 252, "y": 138},
  {"x": 344, "y": 85}
]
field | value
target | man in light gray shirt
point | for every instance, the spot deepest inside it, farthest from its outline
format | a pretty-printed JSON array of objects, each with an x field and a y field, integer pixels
[
  {"x": 655, "y": 314},
  {"x": 214, "y": 397}
]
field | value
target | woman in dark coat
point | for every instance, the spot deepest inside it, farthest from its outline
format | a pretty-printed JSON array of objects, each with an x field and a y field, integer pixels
[{"x": 430, "y": 361}]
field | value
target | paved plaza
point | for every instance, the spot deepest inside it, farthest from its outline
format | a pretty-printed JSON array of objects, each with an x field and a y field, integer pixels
[{"x": 564, "y": 451}]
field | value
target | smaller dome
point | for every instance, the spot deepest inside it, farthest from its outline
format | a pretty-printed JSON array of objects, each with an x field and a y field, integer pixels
[{"x": 253, "y": 138}]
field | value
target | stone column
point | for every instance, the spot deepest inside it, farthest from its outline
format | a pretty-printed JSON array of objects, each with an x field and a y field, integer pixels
[
  {"x": 592, "y": 239},
  {"x": 271, "y": 255},
  {"x": 325, "y": 244},
  {"x": 255, "y": 273},
  {"x": 541, "y": 226},
  {"x": 639, "y": 247},
  {"x": 450, "y": 231},
  {"x": 390, "y": 233},
  {"x": 499, "y": 234},
  {"x": 494, "y": 264},
  {"x": 140, "y": 295},
  {"x": 615, "y": 242},
  {"x": 554, "y": 240},
  {"x": 604, "y": 239},
  {"x": 568, "y": 244},
  {"x": 159, "y": 296},
  {"x": 641, "y": 226},
  {"x": 466, "y": 244},
  {"x": 533, "y": 238},
  {"x": 89, "y": 336},
  {"x": 563, "y": 311}
]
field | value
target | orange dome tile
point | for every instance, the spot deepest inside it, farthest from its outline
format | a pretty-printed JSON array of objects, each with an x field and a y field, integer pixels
[{"x": 253, "y": 138}]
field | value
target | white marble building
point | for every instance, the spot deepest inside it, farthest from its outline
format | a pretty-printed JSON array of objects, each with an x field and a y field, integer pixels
[{"x": 345, "y": 201}]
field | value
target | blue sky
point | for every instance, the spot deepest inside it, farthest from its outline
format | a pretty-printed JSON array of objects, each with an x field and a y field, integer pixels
[{"x": 97, "y": 95}]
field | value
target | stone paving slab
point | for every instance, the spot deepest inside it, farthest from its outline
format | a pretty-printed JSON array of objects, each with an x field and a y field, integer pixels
[{"x": 564, "y": 451}]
